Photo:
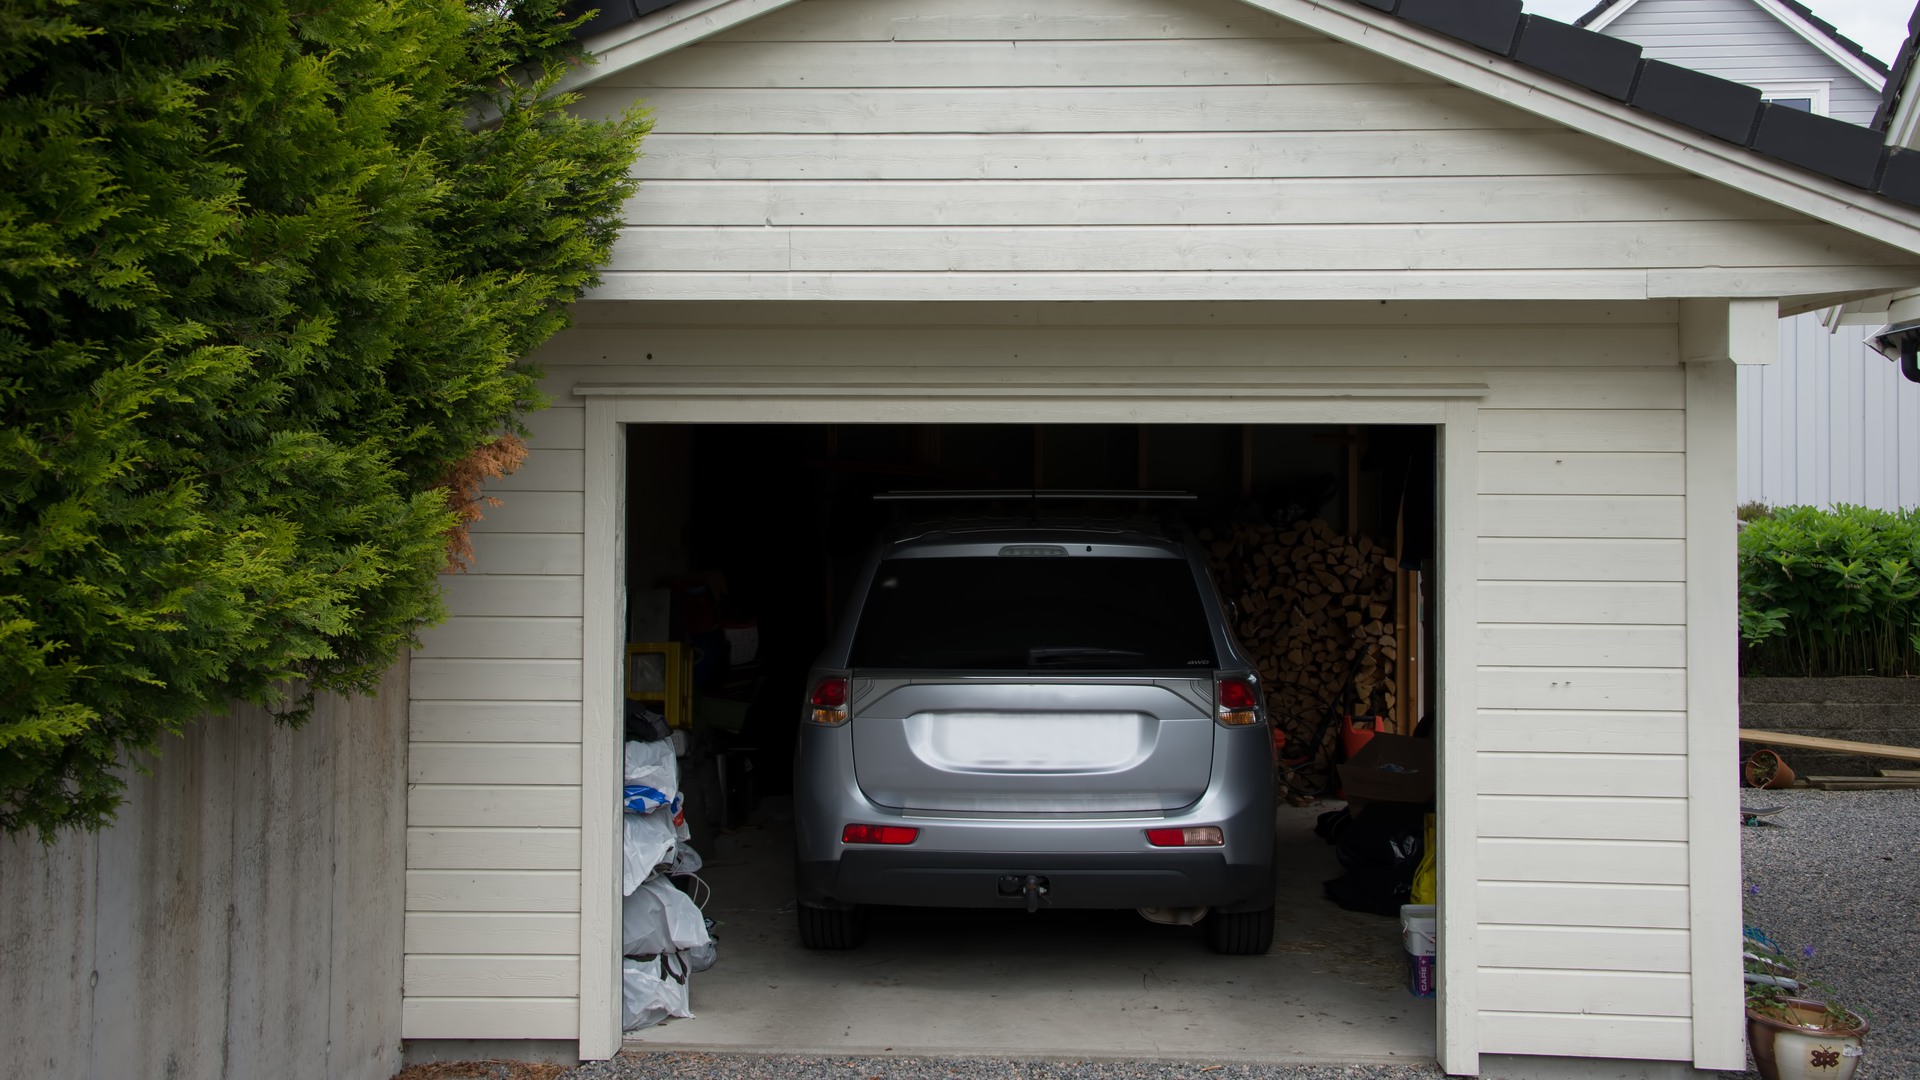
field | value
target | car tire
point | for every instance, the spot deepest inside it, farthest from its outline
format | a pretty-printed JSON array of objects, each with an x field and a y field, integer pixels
[
  {"x": 834, "y": 928},
  {"x": 1240, "y": 933}
]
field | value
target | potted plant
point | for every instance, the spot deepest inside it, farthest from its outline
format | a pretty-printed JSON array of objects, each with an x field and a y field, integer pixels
[
  {"x": 1796, "y": 1026},
  {"x": 1765, "y": 769}
]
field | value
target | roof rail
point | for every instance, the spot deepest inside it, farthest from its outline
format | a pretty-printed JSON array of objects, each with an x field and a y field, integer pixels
[{"x": 1036, "y": 494}]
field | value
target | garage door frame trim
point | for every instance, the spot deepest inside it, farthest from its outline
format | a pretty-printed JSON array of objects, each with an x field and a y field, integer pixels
[{"x": 1453, "y": 409}]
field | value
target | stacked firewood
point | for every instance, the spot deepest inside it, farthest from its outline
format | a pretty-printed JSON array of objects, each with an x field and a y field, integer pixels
[{"x": 1316, "y": 612}]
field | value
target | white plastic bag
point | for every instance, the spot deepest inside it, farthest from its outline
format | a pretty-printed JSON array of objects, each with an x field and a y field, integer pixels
[
  {"x": 652, "y": 991},
  {"x": 678, "y": 809},
  {"x": 649, "y": 843},
  {"x": 659, "y": 918},
  {"x": 685, "y": 861},
  {"x": 652, "y": 775},
  {"x": 702, "y": 957}
]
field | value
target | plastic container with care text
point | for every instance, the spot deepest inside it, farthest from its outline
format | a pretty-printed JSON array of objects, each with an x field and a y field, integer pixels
[{"x": 1418, "y": 934}]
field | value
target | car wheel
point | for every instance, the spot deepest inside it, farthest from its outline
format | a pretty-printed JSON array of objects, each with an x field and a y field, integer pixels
[
  {"x": 836, "y": 928},
  {"x": 1240, "y": 933}
]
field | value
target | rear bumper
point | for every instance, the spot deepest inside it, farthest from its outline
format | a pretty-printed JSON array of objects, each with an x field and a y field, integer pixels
[
  {"x": 1074, "y": 880},
  {"x": 1090, "y": 861}
]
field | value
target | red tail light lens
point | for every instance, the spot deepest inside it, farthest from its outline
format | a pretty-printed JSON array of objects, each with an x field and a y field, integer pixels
[
  {"x": 879, "y": 834},
  {"x": 1239, "y": 702},
  {"x": 1196, "y": 836},
  {"x": 1238, "y": 694},
  {"x": 830, "y": 694},
  {"x": 829, "y": 701}
]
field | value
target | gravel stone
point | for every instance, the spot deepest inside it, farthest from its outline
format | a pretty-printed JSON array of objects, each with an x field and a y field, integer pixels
[{"x": 1837, "y": 871}]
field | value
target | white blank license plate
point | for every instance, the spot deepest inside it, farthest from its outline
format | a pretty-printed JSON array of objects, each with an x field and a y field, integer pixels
[{"x": 1031, "y": 742}]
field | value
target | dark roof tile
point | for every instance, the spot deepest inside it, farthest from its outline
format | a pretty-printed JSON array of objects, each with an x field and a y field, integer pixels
[
  {"x": 1489, "y": 24},
  {"x": 1897, "y": 78},
  {"x": 1595, "y": 61},
  {"x": 614, "y": 13},
  {"x": 1720, "y": 107},
  {"x": 1901, "y": 177},
  {"x": 1846, "y": 152}
]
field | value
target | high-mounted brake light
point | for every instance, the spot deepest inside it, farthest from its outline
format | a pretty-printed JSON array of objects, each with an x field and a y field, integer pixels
[
  {"x": 1196, "y": 836},
  {"x": 1239, "y": 702},
  {"x": 829, "y": 701},
  {"x": 879, "y": 834}
]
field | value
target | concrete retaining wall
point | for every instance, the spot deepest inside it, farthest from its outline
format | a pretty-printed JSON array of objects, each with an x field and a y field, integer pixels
[
  {"x": 1863, "y": 709},
  {"x": 241, "y": 919}
]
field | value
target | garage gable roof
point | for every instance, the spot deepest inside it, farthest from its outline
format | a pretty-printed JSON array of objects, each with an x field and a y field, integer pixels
[
  {"x": 1899, "y": 114},
  {"x": 1828, "y": 169},
  {"x": 1796, "y": 17}
]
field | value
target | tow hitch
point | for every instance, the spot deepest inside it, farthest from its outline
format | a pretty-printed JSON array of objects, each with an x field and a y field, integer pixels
[{"x": 1032, "y": 886}]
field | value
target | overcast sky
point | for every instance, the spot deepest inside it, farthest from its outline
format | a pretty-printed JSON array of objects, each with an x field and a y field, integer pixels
[{"x": 1878, "y": 25}]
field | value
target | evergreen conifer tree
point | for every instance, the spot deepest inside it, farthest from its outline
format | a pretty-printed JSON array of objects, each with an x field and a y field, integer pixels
[{"x": 268, "y": 276}]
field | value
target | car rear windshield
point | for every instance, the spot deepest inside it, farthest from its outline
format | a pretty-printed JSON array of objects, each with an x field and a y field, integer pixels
[{"x": 1033, "y": 614}]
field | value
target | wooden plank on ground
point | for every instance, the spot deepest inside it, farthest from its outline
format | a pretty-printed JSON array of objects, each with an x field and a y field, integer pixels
[
  {"x": 1863, "y": 783},
  {"x": 1844, "y": 746}
]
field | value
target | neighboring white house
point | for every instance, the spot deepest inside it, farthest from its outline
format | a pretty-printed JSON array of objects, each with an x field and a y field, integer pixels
[
  {"x": 1833, "y": 422},
  {"x": 1065, "y": 212}
]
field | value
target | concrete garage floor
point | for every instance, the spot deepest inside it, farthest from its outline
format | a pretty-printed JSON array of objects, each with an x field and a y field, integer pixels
[{"x": 1054, "y": 984}]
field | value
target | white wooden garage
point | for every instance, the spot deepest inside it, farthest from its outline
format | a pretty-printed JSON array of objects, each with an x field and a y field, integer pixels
[{"x": 1187, "y": 211}]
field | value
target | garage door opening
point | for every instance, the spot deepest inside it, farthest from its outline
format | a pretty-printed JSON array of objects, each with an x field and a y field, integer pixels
[{"x": 742, "y": 543}]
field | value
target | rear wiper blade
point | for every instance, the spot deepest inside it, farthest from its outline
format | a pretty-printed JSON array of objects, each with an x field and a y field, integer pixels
[{"x": 1065, "y": 654}]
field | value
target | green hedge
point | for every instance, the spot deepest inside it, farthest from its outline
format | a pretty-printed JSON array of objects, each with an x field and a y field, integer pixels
[{"x": 1830, "y": 592}]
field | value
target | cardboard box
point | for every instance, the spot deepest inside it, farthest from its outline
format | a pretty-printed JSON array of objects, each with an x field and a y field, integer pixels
[{"x": 1390, "y": 768}]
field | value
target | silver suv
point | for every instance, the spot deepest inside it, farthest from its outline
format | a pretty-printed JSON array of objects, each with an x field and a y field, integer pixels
[{"x": 1019, "y": 714}]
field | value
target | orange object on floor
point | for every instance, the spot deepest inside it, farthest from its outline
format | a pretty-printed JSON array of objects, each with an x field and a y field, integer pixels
[{"x": 1356, "y": 732}]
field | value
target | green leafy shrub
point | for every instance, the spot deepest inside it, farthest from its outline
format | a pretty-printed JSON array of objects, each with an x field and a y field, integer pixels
[
  {"x": 263, "y": 289},
  {"x": 1831, "y": 592}
]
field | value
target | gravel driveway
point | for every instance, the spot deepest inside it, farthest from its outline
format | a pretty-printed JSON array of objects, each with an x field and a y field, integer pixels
[
  {"x": 1838, "y": 871},
  {"x": 783, "y": 1067}
]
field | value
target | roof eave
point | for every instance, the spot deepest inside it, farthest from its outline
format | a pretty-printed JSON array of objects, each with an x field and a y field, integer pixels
[
  {"x": 662, "y": 31},
  {"x": 1545, "y": 96}
]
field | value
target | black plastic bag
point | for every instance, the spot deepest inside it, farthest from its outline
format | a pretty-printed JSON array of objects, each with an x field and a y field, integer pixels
[{"x": 1386, "y": 835}]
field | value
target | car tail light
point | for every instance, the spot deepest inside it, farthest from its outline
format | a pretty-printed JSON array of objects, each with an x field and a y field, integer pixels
[
  {"x": 829, "y": 701},
  {"x": 1195, "y": 836},
  {"x": 1239, "y": 702},
  {"x": 879, "y": 834}
]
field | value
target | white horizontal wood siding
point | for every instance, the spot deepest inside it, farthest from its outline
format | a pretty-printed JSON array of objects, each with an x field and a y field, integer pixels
[
  {"x": 1111, "y": 149},
  {"x": 1582, "y": 689},
  {"x": 1738, "y": 40},
  {"x": 1832, "y": 422},
  {"x": 493, "y": 806}
]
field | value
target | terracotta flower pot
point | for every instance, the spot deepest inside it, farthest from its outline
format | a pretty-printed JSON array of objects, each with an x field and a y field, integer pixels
[
  {"x": 1805, "y": 1048},
  {"x": 1766, "y": 769}
]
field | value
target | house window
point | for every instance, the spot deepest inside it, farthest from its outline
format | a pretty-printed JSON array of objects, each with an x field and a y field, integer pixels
[{"x": 1808, "y": 96}]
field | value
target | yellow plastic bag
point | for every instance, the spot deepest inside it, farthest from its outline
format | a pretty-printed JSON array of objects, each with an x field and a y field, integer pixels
[{"x": 1423, "y": 878}]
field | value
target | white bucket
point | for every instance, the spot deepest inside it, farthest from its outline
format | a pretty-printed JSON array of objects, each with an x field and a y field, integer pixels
[{"x": 1417, "y": 929}]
